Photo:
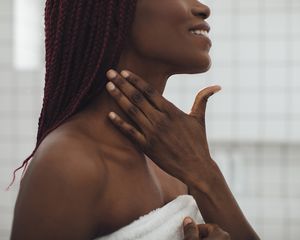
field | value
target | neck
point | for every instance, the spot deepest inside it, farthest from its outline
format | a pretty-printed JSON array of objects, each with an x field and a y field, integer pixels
[
  {"x": 96, "y": 114},
  {"x": 152, "y": 71}
]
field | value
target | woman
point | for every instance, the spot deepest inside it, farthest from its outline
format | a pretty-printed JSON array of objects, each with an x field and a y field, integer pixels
[{"x": 87, "y": 179}]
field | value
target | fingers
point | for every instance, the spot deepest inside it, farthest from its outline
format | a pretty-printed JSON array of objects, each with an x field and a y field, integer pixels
[
  {"x": 132, "y": 111},
  {"x": 212, "y": 231},
  {"x": 190, "y": 229},
  {"x": 199, "y": 106},
  {"x": 127, "y": 129},
  {"x": 151, "y": 93},
  {"x": 204, "y": 230},
  {"x": 135, "y": 96},
  {"x": 193, "y": 231}
]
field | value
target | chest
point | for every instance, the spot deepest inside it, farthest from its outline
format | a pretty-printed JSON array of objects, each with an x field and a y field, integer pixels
[{"x": 131, "y": 195}]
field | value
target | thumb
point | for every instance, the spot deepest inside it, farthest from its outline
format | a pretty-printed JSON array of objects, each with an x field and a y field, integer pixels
[
  {"x": 190, "y": 229},
  {"x": 199, "y": 106}
]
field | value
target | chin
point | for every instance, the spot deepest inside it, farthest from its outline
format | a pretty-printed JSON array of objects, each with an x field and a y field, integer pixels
[
  {"x": 200, "y": 66},
  {"x": 195, "y": 65},
  {"x": 204, "y": 68}
]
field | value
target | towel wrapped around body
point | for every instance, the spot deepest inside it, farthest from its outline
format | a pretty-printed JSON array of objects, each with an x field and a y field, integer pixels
[{"x": 163, "y": 223}]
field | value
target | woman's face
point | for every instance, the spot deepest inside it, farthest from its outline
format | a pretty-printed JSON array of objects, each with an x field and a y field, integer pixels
[{"x": 161, "y": 32}]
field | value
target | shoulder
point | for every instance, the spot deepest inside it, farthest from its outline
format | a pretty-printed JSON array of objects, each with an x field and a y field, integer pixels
[
  {"x": 63, "y": 184},
  {"x": 68, "y": 156}
]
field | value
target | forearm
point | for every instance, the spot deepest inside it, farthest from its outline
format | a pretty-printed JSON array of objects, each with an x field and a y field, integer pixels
[{"x": 218, "y": 205}]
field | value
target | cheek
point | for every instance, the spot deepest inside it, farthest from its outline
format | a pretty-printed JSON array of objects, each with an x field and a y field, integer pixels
[
  {"x": 158, "y": 27},
  {"x": 162, "y": 35}
]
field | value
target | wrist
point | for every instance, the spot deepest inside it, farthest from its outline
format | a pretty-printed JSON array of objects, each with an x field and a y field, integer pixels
[
  {"x": 213, "y": 187},
  {"x": 205, "y": 178}
]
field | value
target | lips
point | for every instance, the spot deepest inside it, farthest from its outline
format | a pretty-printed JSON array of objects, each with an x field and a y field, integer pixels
[
  {"x": 202, "y": 27},
  {"x": 201, "y": 30}
]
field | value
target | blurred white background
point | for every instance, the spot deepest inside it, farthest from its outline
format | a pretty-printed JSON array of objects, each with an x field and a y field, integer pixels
[{"x": 253, "y": 124}]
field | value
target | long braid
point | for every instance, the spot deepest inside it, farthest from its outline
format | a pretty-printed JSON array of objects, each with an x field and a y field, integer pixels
[
  {"x": 107, "y": 34},
  {"x": 122, "y": 11},
  {"x": 79, "y": 34},
  {"x": 82, "y": 42},
  {"x": 67, "y": 53},
  {"x": 50, "y": 37},
  {"x": 57, "y": 57}
]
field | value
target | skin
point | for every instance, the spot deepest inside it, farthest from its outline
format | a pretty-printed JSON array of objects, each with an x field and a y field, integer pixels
[
  {"x": 193, "y": 231},
  {"x": 177, "y": 143},
  {"x": 86, "y": 174}
]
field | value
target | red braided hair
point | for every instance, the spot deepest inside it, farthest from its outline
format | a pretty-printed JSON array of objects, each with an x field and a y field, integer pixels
[{"x": 79, "y": 36}]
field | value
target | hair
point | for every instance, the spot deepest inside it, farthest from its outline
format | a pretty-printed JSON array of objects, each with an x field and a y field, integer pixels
[{"x": 82, "y": 41}]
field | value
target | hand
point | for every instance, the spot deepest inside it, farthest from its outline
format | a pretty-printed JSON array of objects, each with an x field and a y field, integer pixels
[
  {"x": 174, "y": 140},
  {"x": 193, "y": 231}
]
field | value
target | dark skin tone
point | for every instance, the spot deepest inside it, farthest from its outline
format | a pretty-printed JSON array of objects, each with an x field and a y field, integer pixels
[
  {"x": 89, "y": 176},
  {"x": 177, "y": 143},
  {"x": 193, "y": 231}
]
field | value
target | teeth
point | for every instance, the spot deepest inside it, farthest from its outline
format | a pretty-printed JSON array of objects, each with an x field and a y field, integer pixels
[{"x": 199, "y": 32}]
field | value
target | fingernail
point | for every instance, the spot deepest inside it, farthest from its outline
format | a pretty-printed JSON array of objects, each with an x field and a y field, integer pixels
[
  {"x": 219, "y": 89},
  {"x": 111, "y": 74},
  {"x": 112, "y": 115},
  {"x": 125, "y": 74},
  {"x": 186, "y": 221},
  {"x": 110, "y": 86}
]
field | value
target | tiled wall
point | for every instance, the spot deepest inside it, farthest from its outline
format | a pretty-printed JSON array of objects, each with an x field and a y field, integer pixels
[
  {"x": 6, "y": 89},
  {"x": 20, "y": 100},
  {"x": 265, "y": 180},
  {"x": 256, "y": 59},
  {"x": 253, "y": 124}
]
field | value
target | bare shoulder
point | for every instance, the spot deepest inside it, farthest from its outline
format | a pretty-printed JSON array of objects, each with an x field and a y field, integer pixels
[
  {"x": 63, "y": 184},
  {"x": 69, "y": 156},
  {"x": 70, "y": 147}
]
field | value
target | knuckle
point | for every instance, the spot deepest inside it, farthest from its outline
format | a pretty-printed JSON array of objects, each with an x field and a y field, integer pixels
[
  {"x": 132, "y": 79},
  {"x": 133, "y": 110},
  {"x": 119, "y": 81},
  {"x": 149, "y": 91},
  {"x": 131, "y": 131},
  {"x": 137, "y": 97}
]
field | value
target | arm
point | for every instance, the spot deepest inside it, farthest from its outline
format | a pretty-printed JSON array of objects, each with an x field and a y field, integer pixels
[
  {"x": 58, "y": 195},
  {"x": 177, "y": 143},
  {"x": 218, "y": 205}
]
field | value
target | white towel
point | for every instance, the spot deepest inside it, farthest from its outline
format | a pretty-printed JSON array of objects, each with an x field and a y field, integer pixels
[{"x": 163, "y": 223}]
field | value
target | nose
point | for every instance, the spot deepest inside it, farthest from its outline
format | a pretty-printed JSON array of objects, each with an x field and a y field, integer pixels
[{"x": 201, "y": 10}]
